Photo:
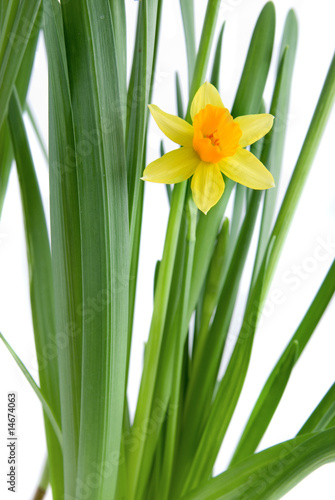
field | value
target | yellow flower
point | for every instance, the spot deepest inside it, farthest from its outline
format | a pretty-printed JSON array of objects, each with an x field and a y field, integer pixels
[{"x": 213, "y": 144}]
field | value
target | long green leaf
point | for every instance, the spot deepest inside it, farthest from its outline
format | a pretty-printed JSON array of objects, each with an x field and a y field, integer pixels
[
  {"x": 104, "y": 224},
  {"x": 215, "y": 76},
  {"x": 259, "y": 55},
  {"x": 145, "y": 53},
  {"x": 118, "y": 14},
  {"x": 20, "y": 24},
  {"x": 274, "y": 387},
  {"x": 266, "y": 404},
  {"x": 47, "y": 410},
  {"x": 21, "y": 83},
  {"x": 138, "y": 100},
  {"x": 323, "y": 415},
  {"x": 139, "y": 106},
  {"x": 41, "y": 285},
  {"x": 187, "y": 11},
  {"x": 300, "y": 173},
  {"x": 272, "y": 472},
  {"x": 288, "y": 45},
  {"x": 65, "y": 239},
  {"x": 201, "y": 63}
]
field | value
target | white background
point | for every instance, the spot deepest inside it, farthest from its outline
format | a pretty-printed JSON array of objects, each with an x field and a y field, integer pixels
[{"x": 300, "y": 272}]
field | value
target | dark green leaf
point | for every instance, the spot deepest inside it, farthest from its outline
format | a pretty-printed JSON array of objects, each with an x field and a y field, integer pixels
[
  {"x": 104, "y": 224},
  {"x": 272, "y": 472},
  {"x": 41, "y": 285}
]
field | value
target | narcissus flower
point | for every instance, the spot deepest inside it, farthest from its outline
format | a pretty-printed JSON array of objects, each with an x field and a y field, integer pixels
[{"x": 212, "y": 144}]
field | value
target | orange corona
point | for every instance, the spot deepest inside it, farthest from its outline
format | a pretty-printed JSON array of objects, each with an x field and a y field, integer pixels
[{"x": 216, "y": 135}]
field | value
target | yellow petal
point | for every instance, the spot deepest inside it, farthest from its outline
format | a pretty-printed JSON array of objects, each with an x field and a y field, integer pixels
[
  {"x": 176, "y": 166},
  {"x": 246, "y": 169},
  {"x": 254, "y": 127},
  {"x": 207, "y": 94},
  {"x": 207, "y": 186},
  {"x": 175, "y": 128}
]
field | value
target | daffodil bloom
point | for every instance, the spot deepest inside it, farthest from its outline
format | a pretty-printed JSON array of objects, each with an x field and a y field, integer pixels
[{"x": 214, "y": 143}]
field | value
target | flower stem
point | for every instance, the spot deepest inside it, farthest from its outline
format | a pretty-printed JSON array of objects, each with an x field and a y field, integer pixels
[{"x": 145, "y": 398}]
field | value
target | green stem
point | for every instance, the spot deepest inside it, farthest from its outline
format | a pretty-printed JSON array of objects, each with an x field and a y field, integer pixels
[
  {"x": 145, "y": 398},
  {"x": 171, "y": 440}
]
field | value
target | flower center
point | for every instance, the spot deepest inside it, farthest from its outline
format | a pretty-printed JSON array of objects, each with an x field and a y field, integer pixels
[{"x": 216, "y": 135}]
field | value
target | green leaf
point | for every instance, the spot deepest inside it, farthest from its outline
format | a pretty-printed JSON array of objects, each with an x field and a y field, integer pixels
[
  {"x": 259, "y": 55},
  {"x": 272, "y": 472},
  {"x": 187, "y": 11},
  {"x": 139, "y": 95},
  {"x": 287, "y": 51},
  {"x": 323, "y": 415},
  {"x": 20, "y": 25},
  {"x": 274, "y": 387},
  {"x": 266, "y": 405},
  {"x": 138, "y": 99},
  {"x": 300, "y": 174},
  {"x": 47, "y": 410},
  {"x": 21, "y": 83},
  {"x": 258, "y": 293},
  {"x": 215, "y": 77},
  {"x": 104, "y": 225},
  {"x": 249, "y": 95},
  {"x": 201, "y": 63},
  {"x": 118, "y": 14},
  {"x": 41, "y": 285},
  {"x": 65, "y": 239}
]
